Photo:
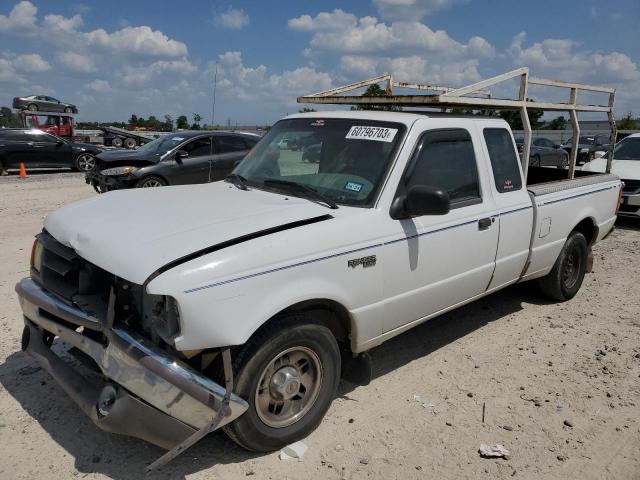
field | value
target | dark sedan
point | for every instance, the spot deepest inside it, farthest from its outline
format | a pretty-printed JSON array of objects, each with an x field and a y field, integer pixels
[
  {"x": 43, "y": 103},
  {"x": 38, "y": 149},
  {"x": 587, "y": 146},
  {"x": 545, "y": 153},
  {"x": 174, "y": 159}
]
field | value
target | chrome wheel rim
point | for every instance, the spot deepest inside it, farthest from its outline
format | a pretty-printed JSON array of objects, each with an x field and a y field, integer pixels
[
  {"x": 86, "y": 162},
  {"x": 151, "y": 183},
  {"x": 288, "y": 387}
]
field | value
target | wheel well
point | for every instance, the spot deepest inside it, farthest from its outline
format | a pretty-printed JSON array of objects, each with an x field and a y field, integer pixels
[
  {"x": 332, "y": 314},
  {"x": 588, "y": 228}
]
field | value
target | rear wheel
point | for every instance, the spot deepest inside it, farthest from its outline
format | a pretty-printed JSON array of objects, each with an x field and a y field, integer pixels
[
  {"x": 151, "y": 182},
  {"x": 85, "y": 162},
  {"x": 130, "y": 143},
  {"x": 32, "y": 107},
  {"x": 68, "y": 110},
  {"x": 537, "y": 162},
  {"x": 288, "y": 373},
  {"x": 116, "y": 142},
  {"x": 566, "y": 276}
]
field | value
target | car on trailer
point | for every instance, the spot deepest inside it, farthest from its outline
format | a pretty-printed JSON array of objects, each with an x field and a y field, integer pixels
[{"x": 44, "y": 103}]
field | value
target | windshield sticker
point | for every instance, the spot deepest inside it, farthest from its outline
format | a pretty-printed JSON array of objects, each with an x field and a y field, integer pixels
[
  {"x": 379, "y": 134},
  {"x": 353, "y": 186},
  {"x": 318, "y": 123}
]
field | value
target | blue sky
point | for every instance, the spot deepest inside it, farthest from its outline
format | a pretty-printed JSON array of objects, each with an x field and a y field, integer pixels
[{"x": 151, "y": 57}]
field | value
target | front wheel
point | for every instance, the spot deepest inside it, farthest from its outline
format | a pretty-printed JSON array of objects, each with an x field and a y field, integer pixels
[
  {"x": 85, "y": 162},
  {"x": 68, "y": 110},
  {"x": 288, "y": 373},
  {"x": 32, "y": 107},
  {"x": 565, "y": 278},
  {"x": 151, "y": 182}
]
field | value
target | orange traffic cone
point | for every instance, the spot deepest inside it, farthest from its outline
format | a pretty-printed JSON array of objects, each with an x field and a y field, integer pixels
[{"x": 23, "y": 171}]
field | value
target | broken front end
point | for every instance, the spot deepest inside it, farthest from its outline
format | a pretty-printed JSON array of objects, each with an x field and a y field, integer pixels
[{"x": 129, "y": 379}]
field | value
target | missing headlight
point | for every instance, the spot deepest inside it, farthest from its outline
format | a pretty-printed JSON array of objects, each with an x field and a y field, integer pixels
[{"x": 162, "y": 316}]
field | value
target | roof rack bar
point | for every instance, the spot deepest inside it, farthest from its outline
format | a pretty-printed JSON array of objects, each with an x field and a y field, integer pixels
[{"x": 459, "y": 97}]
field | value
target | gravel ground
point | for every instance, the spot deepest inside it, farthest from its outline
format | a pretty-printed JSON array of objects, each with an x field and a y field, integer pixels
[{"x": 559, "y": 385}]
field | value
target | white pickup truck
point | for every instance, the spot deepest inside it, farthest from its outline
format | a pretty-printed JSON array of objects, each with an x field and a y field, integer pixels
[{"x": 293, "y": 267}]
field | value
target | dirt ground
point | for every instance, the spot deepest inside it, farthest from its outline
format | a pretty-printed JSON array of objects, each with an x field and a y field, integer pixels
[{"x": 532, "y": 365}]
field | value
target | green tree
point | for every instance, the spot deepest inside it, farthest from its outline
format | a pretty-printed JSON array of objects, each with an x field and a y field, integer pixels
[
  {"x": 307, "y": 110},
  {"x": 133, "y": 121},
  {"x": 627, "y": 123},
  {"x": 558, "y": 123},
  {"x": 197, "y": 118},
  {"x": 375, "y": 91},
  {"x": 167, "y": 126},
  {"x": 182, "y": 123},
  {"x": 9, "y": 119}
]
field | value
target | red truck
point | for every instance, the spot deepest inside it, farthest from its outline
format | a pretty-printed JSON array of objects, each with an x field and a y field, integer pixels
[{"x": 60, "y": 124}]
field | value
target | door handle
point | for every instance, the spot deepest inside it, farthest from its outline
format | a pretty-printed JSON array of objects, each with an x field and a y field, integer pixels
[{"x": 485, "y": 223}]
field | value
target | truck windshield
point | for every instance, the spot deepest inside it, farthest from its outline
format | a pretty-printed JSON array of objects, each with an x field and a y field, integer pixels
[
  {"x": 162, "y": 145},
  {"x": 345, "y": 160},
  {"x": 627, "y": 149}
]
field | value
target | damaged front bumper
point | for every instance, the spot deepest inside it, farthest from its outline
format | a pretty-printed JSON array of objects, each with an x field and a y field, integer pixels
[
  {"x": 143, "y": 392},
  {"x": 105, "y": 183}
]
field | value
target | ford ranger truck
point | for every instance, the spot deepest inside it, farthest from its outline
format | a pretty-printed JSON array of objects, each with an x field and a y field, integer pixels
[{"x": 294, "y": 266}]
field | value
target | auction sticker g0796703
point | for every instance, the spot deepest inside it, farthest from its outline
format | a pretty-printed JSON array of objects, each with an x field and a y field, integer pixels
[{"x": 378, "y": 134}]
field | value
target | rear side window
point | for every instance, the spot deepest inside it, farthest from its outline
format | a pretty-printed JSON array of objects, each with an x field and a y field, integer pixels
[
  {"x": 445, "y": 159},
  {"x": 12, "y": 135},
  {"x": 504, "y": 161},
  {"x": 229, "y": 143}
]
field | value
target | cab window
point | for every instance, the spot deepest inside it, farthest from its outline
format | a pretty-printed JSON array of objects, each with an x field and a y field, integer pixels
[
  {"x": 445, "y": 159},
  {"x": 504, "y": 161}
]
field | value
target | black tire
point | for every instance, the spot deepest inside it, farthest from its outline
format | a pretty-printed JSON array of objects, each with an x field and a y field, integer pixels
[
  {"x": 151, "y": 181},
  {"x": 564, "y": 161},
  {"x": 116, "y": 142},
  {"x": 130, "y": 143},
  {"x": 32, "y": 107},
  {"x": 565, "y": 278},
  {"x": 537, "y": 161},
  {"x": 294, "y": 331}
]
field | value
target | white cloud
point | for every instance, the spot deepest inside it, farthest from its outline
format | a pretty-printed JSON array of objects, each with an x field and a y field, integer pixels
[
  {"x": 77, "y": 62},
  {"x": 21, "y": 18},
  {"x": 143, "y": 75},
  {"x": 233, "y": 18},
  {"x": 250, "y": 83},
  {"x": 368, "y": 35},
  {"x": 32, "y": 63},
  {"x": 58, "y": 22},
  {"x": 139, "y": 40},
  {"x": 8, "y": 73},
  {"x": 98, "y": 85},
  {"x": 564, "y": 58},
  {"x": 336, "y": 20},
  {"x": 411, "y": 9}
]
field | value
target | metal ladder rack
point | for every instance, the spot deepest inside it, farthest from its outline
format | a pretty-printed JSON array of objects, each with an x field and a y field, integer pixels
[{"x": 448, "y": 97}]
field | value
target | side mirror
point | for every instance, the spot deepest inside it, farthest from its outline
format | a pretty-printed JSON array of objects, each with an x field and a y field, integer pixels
[
  {"x": 181, "y": 155},
  {"x": 421, "y": 200}
]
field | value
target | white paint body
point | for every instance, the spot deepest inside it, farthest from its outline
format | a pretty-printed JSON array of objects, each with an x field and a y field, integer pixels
[{"x": 425, "y": 265}]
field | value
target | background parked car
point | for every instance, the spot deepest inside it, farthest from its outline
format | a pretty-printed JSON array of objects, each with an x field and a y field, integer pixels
[
  {"x": 174, "y": 159},
  {"x": 587, "y": 146},
  {"x": 38, "y": 149},
  {"x": 545, "y": 153},
  {"x": 625, "y": 164},
  {"x": 43, "y": 103}
]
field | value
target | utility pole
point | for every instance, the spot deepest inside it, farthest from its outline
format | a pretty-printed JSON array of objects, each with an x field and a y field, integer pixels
[{"x": 215, "y": 84}]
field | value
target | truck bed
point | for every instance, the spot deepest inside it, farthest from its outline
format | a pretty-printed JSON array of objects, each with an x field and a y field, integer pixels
[{"x": 542, "y": 181}]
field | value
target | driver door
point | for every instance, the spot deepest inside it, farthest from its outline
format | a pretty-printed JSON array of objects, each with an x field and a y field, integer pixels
[
  {"x": 439, "y": 261},
  {"x": 196, "y": 167}
]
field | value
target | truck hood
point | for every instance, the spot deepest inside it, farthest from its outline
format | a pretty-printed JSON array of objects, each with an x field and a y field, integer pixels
[
  {"x": 133, "y": 233},
  {"x": 625, "y": 169}
]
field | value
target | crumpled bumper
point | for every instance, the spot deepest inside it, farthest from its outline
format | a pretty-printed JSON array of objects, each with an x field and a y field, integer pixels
[
  {"x": 143, "y": 392},
  {"x": 106, "y": 183}
]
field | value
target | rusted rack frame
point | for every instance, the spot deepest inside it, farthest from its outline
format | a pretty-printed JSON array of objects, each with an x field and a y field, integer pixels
[{"x": 448, "y": 97}]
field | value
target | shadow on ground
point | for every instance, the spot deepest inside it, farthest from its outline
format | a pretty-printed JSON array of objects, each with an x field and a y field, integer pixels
[{"x": 124, "y": 458}]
